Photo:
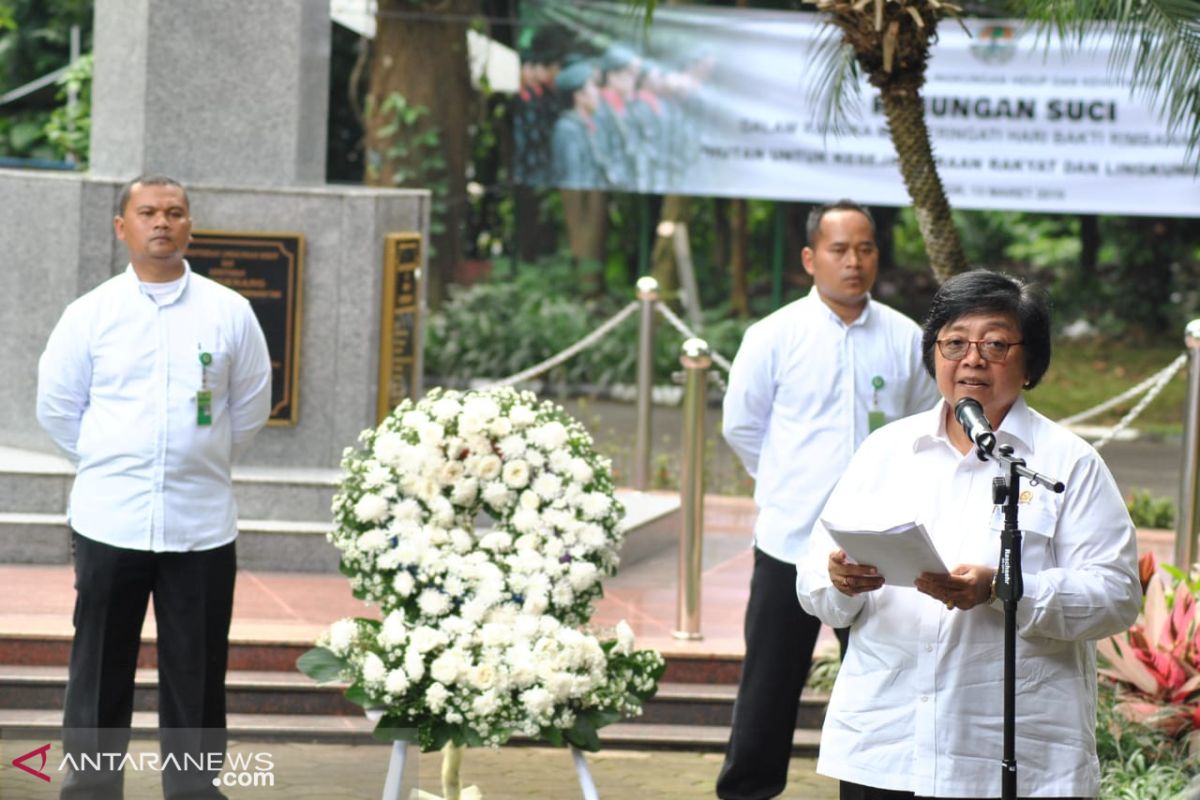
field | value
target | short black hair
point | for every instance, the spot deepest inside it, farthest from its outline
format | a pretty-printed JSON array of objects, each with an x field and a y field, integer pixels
[
  {"x": 984, "y": 291},
  {"x": 148, "y": 180},
  {"x": 812, "y": 227}
]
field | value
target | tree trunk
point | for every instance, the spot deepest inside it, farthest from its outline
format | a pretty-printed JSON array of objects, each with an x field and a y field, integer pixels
[
  {"x": 906, "y": 119},
  {"x": 739, "y": 298},
  {"x": 422, "y": 59},
  {"x": 663, "y": 269},
  {"x": 586, "y": 214}
]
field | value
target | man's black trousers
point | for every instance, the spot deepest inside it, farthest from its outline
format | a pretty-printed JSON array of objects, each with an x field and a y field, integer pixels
[{"x": 193, "y": 605}]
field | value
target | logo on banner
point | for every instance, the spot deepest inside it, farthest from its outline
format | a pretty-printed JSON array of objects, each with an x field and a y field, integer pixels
[
  {"x": 995, "y": 44},
  {"x": 19, "y": 762}
]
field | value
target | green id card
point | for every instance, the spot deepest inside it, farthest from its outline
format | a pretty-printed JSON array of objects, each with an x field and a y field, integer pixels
[
  {"x": 875, "y": 420},
  {"x": 204, "y": 407}
]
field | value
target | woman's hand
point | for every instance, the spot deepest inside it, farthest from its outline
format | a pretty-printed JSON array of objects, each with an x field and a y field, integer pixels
[
  {"x": 852, "y": 579},
  {"x": 967, "y": 586}
]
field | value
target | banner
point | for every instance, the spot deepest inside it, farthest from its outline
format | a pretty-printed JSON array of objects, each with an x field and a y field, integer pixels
[{"x": 711, "y": 101}]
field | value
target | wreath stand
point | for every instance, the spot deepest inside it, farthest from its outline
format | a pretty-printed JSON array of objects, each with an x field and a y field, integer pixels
[{"x": 451, "y": 783}]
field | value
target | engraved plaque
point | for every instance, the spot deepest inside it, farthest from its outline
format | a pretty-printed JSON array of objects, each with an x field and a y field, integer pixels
[
  {"x": 400, "y": 329},
  {"x": 266, "y": 269}
]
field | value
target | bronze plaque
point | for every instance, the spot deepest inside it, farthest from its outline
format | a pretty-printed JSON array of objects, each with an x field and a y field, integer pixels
[
  {"x": 266, "y": 269},
  {"x": 400, "y": 329}
]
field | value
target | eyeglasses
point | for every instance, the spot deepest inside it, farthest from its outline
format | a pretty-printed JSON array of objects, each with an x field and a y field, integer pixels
[{"x": 995, "y": 350}]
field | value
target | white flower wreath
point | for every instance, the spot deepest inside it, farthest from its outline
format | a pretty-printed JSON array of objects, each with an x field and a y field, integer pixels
[{"x": 480, "y": 637}]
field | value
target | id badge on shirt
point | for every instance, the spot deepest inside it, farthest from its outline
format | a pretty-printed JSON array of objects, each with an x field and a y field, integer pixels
[{"x": 875, "y": 417}]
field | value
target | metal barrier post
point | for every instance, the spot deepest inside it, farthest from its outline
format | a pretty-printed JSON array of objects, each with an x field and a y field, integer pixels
[
  {"x": 647, "y": 293},
  {"x": 696, "y": 361},
  {"x": 1189, "y": 492}
]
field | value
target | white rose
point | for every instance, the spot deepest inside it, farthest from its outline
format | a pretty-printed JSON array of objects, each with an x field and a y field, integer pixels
[
  {"x": 482, "y": 676},
  {"x": 516, "y": 474},
  {"x": 441, "y": 510},
  {"x": 495, "y": 635},
  {"x": 374, "y": 671},
  {"x": 488, "y": 467},
  {"x": 530, "y": 501},
  {"x": 536, "y": 459},
  {"x": 624, "y": 638},
  {"x": 396, "y": 682},
  {"x": 482, "y": 406},
  {"x": 451, "y": 473},
  {"x": 500, "y": 427},
  {"x": 470, "y": 424},
  {"x": 425, "y": 638},
  {"x": 371, "y": 508},
  {"x": 444, "y": 668},
  {"x": 486, "y": 703},
  {"x": 526, "y": 521},
  {"x": 414, "y": 419}
]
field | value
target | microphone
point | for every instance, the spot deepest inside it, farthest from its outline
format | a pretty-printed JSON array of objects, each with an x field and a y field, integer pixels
[{"x": 970, "y": 415}]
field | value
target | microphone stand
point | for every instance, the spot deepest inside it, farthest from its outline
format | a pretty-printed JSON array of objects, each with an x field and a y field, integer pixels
[{"x": 1009, "y": 588}]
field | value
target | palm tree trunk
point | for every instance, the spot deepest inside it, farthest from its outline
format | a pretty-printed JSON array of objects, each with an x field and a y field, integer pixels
[{"x": 906, "y": 118}]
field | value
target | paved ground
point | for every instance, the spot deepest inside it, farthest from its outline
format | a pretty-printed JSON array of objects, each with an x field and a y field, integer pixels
[{"x": 330, "y": 772}]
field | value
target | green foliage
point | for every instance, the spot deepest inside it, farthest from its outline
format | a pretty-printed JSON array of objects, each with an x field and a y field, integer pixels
[
  {"x": 498, "y": 328},
  {"x": 1149, "y": 511},
  {"x": 1137, "y": 762},
  {"x": 69, "y": 130},
  {"x": 413, "y": 155}
]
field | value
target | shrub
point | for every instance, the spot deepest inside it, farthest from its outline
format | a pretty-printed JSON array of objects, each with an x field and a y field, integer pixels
[{"x": 1149, "y": 511}]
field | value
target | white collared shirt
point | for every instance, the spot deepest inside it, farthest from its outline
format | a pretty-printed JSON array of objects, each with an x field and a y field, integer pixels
[
  {"x": 797, "y": 406},
  {"x": 117, "y": 390},
  {"x": 918, "y": 702}
]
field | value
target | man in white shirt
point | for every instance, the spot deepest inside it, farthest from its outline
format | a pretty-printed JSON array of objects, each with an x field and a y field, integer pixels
[
  {"x": 152, "y": 383},
  {"x": 808, "y": 384}
]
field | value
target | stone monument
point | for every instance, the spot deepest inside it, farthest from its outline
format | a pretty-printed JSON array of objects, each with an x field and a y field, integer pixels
[{"x": 230, "y": 97}]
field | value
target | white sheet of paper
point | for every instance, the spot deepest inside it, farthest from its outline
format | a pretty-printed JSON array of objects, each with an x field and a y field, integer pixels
[{"x": 900, "y": 553}]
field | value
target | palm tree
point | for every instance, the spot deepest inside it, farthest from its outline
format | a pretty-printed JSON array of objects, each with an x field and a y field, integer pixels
[{"x": 1156, "y": 43}]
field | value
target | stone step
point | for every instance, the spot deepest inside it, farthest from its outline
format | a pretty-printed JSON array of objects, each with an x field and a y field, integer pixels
[
  {"x": 291, "y": 693},
  {"x": 258, "y": 656},
  {"x": 25, "y": 723}
]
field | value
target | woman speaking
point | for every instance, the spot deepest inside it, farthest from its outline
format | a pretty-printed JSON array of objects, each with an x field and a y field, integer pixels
[{"x": 917, "y": 708}]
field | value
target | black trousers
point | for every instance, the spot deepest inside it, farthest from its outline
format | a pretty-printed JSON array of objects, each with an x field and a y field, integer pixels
[
  {"x": 780, "y": 637},
  {"x": 193, "y": 606},
  {"x": 854, "y": 791}
]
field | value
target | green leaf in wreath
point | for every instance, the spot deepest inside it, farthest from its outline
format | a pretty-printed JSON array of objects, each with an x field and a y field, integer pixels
[
  {"x": 583, "y": 734},
  {"x": 321, "y": 665},
  {"x": 440, "y": 735},
  {"x": 357, "y": 694},
  {"x": 553, "y": 735}
]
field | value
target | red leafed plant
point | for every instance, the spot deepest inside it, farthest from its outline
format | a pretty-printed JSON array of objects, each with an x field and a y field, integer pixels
[{"x": 1158, "y": 659}]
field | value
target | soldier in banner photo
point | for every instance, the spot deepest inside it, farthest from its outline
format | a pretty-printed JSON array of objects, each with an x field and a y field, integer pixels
[
  {"x": 620, "y": 69},
  {"x": 579, "y": 156}
]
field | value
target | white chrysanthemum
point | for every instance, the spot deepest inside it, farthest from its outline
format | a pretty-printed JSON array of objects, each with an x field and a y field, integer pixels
[
  {"x": 372, "y": 541},
  {"x": 446, "y": 408},
  {"x": 376, "y": 475},
  {"x": 371, "y": 508},
  {"x": 436, "y": 697},
  {"x": 433, "y": 603},
  {"x": 547, "y": 486},
  {"x": 500, "y": 427},
  {"x": 403, "y": 584},
  {"x": 512, "y": 446},
  {"x": 526, "y": 521},
  {"x": 407, "y": 510},
  {"x": 495, "y": 635},
  {"x": 624, "y": 638},
  {"x": 550, "y": 436},
  {"x": 536, "y": 459},
  {"x": 394, "y": 631},
  {"x": 579, "y": 471},
  {"x": 389, "y": 448},
  {"x": 497, "y": 542},
  {"x": 414, "y": 664},
  {"x": 582, "y": 575},
  {"x": 374, "y": 671},
  {"x": 414, "y": 419},
  {"x": 397, "y": 682},
  {"x": 425, "y": 638},
  {"x": 537, "y": 701},
  {"x": 465, "y": 492},
  {"x": 342, "y": 635},
  {"x": 516, "y": 474},
  {"x": 497, "y": 495},
  {"x": 460, "y": 540},
  {"x": 592, "y": 536},
  {"x": 595, "y": 505},
  {"x": 522, "y": 415},
  {"x": 441, "y": 511},
  {"x": 482, "y": 406}
]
